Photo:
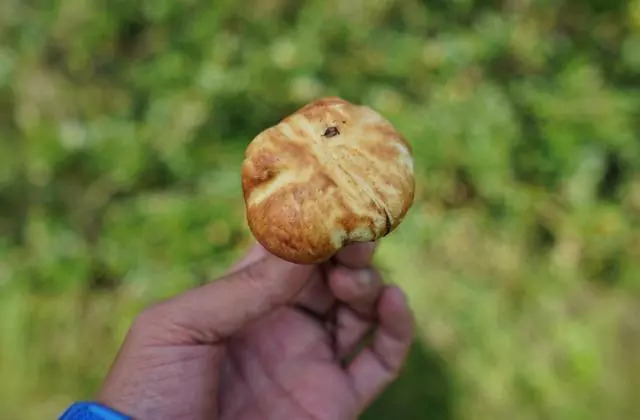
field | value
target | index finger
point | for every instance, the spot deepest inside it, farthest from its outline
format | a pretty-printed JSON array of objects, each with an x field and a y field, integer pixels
[{"x": 357, "y": 255}]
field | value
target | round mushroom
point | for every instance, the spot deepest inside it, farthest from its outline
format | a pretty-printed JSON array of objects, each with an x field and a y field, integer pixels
[{"x": 330, "y": 174}]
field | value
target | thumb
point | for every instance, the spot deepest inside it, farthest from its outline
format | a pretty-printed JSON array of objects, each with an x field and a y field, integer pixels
[{"x": 210, "y": 313}]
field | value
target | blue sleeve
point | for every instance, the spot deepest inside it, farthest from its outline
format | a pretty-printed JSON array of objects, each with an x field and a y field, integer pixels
[{"x": 92, "y": 411}]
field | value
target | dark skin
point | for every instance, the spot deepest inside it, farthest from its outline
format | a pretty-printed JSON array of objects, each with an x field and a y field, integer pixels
[{"x": 258, "y": 344}]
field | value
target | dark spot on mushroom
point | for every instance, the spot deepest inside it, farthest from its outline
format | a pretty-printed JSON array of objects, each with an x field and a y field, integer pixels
[{"x": 331, "y": 132}]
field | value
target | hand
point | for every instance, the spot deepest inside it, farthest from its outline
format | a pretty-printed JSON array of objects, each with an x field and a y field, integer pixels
[{"x": 259, "y": 344}]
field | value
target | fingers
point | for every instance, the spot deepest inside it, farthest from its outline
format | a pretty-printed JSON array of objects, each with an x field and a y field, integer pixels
[
  {"x": 212, "y": 312},
  {"x": 318, "y": 297},
  {"x": 350, "y": 282},
  {"x": 315, "y": 296},
  {"x": 352, "y": 330},
  {"x": 359, "y": 289},
  {"x": 357, "y": 255},
  {"x": 378, "y": 365}
]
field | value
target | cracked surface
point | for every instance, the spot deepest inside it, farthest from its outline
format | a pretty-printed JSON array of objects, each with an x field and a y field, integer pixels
[{"x": 330, "y": 174}]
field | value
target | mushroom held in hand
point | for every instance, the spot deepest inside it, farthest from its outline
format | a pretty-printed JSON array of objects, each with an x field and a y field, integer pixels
[{"x": 330, "y": 174}]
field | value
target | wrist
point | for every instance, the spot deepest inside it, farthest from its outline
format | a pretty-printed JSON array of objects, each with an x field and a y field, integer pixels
[{"x": 91, "y": 410}]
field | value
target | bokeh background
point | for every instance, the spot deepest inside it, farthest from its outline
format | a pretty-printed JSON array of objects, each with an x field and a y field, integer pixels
[{"x": 122, "y": 129}]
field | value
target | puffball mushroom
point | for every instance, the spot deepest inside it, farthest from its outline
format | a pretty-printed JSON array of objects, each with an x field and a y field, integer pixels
[{"x": 330, "y": 174}]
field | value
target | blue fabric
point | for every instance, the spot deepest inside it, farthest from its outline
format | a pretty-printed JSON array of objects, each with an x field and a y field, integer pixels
[{"x": 91, "y": 411}]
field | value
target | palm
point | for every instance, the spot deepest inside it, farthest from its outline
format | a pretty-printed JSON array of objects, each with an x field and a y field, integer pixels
[{"x": 284, "y": 365}]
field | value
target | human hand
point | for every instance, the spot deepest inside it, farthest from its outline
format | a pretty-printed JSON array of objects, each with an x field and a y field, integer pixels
[{"x": 259, "y": 344}]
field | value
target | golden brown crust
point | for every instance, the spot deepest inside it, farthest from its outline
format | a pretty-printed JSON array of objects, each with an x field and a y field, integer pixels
[{"x": 330, "y": 174}]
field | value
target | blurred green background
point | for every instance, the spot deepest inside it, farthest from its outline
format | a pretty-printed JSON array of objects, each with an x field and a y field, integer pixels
[{"x": 122, "y": 129}]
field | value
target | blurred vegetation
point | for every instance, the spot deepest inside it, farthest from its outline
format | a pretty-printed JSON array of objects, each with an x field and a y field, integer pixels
[{"x": 122, "y": 128}]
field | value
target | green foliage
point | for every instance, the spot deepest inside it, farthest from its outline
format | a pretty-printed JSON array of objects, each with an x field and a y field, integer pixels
[{"x": 122, "y": 128}]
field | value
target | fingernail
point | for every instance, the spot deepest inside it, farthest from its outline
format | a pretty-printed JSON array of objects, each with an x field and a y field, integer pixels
[{"x": 364, "y": 278}]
